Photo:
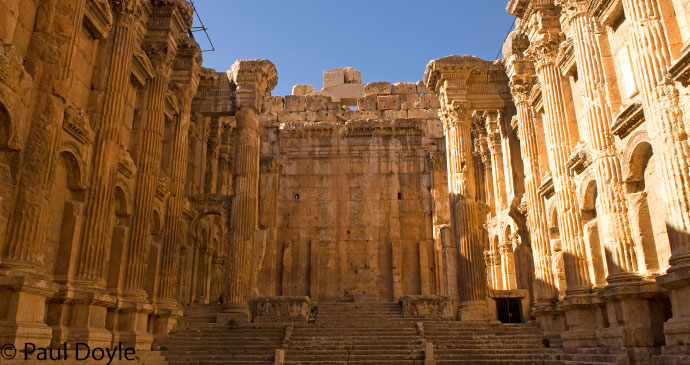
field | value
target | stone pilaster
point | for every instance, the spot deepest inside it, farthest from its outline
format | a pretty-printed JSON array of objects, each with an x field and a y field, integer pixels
[
  {"x": 668, "y": 128},
  {"x": 493, "y": 139},
  {"x": 253, "y": 79}
]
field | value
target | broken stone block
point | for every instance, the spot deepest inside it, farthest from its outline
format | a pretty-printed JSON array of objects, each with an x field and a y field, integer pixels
[
  {"x": 276, "y": 104},
  {"x": 404, "y": 88},
  {"x": 294, "y": 103},
  {"x": 395, "y": 114},
  {"x": 377, "y": 88},
  {"x": 367, "y": 103},
  {"x": 388, "y": 102},
  {"x": 409, "y": 101},
  {"x": 333, "y": 77},
  {"x": 352, "y": 76},
  {"x": 302, "y": 89},
  {"x": 422, "y": 89},
  {"x": 423, "y": 113}
]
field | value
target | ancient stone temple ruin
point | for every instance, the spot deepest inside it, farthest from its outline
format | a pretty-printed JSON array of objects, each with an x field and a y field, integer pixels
[{"x": 529, "y": 210}]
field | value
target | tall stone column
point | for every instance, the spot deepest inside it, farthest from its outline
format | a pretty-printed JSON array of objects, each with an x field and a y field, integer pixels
[
  {"x": 465, "y": 212},
  {"x": 493, "y": 139},
  {"x": 618, "y": 240},
  {"x": 668, "y": 129},
  {"x": 167, "y": 307},
  {"x": 24, "y": 284},
  {"x": 134, "y": 308},
  {"x": 536, "y": 211},
  {"x": 577, "y": 304},
  {"x": 543, "y": 51},
  {"x": 253, "y": 79}
]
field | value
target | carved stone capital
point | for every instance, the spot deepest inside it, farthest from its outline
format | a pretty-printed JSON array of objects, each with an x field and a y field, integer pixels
[
  {"x": 456, "y": 112},
  {"x": 161, "y": 56},
  {"x": 521, "y": 87},
  {"x": 544, "y": 51},
  {"x": 573, "y": 8},
  {"x": 253, "y": 79},
  {"x": 127, "y": 12}
]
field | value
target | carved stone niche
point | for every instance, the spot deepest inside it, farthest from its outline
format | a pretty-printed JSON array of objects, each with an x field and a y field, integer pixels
[
  {"x": 428, "y": 307},
  {"x": 280, "y": 309}
]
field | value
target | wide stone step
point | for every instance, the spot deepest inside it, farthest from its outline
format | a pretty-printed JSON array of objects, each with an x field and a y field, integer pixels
[
  {"x": 357, "y": 362},
  {"x": 496, "y": 357},
  {"x": 352, "y": 357}
]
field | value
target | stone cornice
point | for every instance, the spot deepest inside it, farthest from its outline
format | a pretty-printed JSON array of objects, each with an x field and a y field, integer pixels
[
  {"x": 680, "y": 69},
  {"x": 458, "y": 67},
  {"x": 628, "y": 119},
  {"x": 355, "y": 128},
  {"x": 98, "y": 18}
]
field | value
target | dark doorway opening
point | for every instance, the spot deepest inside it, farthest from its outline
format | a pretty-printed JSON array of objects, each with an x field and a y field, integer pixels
[{"x": 508, "y": 310}]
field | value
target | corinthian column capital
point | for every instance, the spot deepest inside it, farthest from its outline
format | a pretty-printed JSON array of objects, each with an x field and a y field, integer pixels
[
  {"x": 161, "y": 56},
  {"x": 521, "y": 87},
  {"x": 253, "y": 79},
  {"x": 127, "y": 11},
  {"x": 573, "y": 8},
  {"x": 544, "y": 50},
  {"x": 456, "y": 112}
]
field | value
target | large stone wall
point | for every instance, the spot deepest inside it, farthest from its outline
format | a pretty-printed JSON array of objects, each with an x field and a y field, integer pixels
[{"x": 354, "y": 205}]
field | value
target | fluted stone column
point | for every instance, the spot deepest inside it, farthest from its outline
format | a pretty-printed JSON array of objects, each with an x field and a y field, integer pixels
[
  {"x": 94, "y": 245},
  {"x": 253, "y": 78},
  {"x": 668, "y": 129},
  {"x": 466, "y": 222},
  {"x": 166, "y": 305},
  {"x": 493, "y": 139},
  {"x": 617, "y": 235},
  {"x": 543, "y": 52},
  {"x": 134, "y": 308},
  {"x": 536, "y": 211}
]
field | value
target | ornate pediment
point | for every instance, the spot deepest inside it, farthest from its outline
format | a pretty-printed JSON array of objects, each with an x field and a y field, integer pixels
[
  {"x": 579, "y": 159},
  {"x": 628, "y": 119},
  {"x": 98, "y": 18},
  {"x": 546, "y": 188},
  {"x": 76, "y": 123},
  {"x": 142, "y": 70},
  {"x": 125, "y": 165},
  {"x": 163, "y": 188},
  {"x": 566, "y": 58}
]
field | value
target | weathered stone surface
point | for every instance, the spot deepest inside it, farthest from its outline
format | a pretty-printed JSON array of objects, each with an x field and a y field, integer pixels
[
  {"x": 428, "y": 307},
  {"x": 281, "y": 309},
  {"x": 302, "y": 89},
  {"x": 377, "y": 88}
]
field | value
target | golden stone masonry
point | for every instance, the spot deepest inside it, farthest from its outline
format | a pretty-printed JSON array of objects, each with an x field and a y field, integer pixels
[{"x": 529, "y": 210}]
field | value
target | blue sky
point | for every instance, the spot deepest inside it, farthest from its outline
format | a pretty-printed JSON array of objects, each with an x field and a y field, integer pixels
[{"x": 385, "y": 40}]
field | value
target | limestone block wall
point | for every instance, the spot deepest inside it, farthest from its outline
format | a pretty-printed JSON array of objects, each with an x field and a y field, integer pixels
[{"x": 355, "y": 213}]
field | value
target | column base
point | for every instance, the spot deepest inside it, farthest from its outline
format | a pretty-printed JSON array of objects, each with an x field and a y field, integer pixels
[
  {"x": 79, "y": 315},
  {"x": 583, "y": 316},
  {"x": 234, "y": 313},
  {"x": 165, "y": 317},
  {"x": 23, "y": 299},
  {"x": 476, "y": 311},
  {"x": 677, "y": 282},
  {"x": 130, "y": 323}
]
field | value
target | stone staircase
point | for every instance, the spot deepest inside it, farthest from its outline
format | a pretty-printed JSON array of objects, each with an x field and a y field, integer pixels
[
  {"x": 488, "y": 343},
  {"x": 356, "y": 333},
  {"x": 199, "y": 340},
  {"x": 363, "y": 333}
]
